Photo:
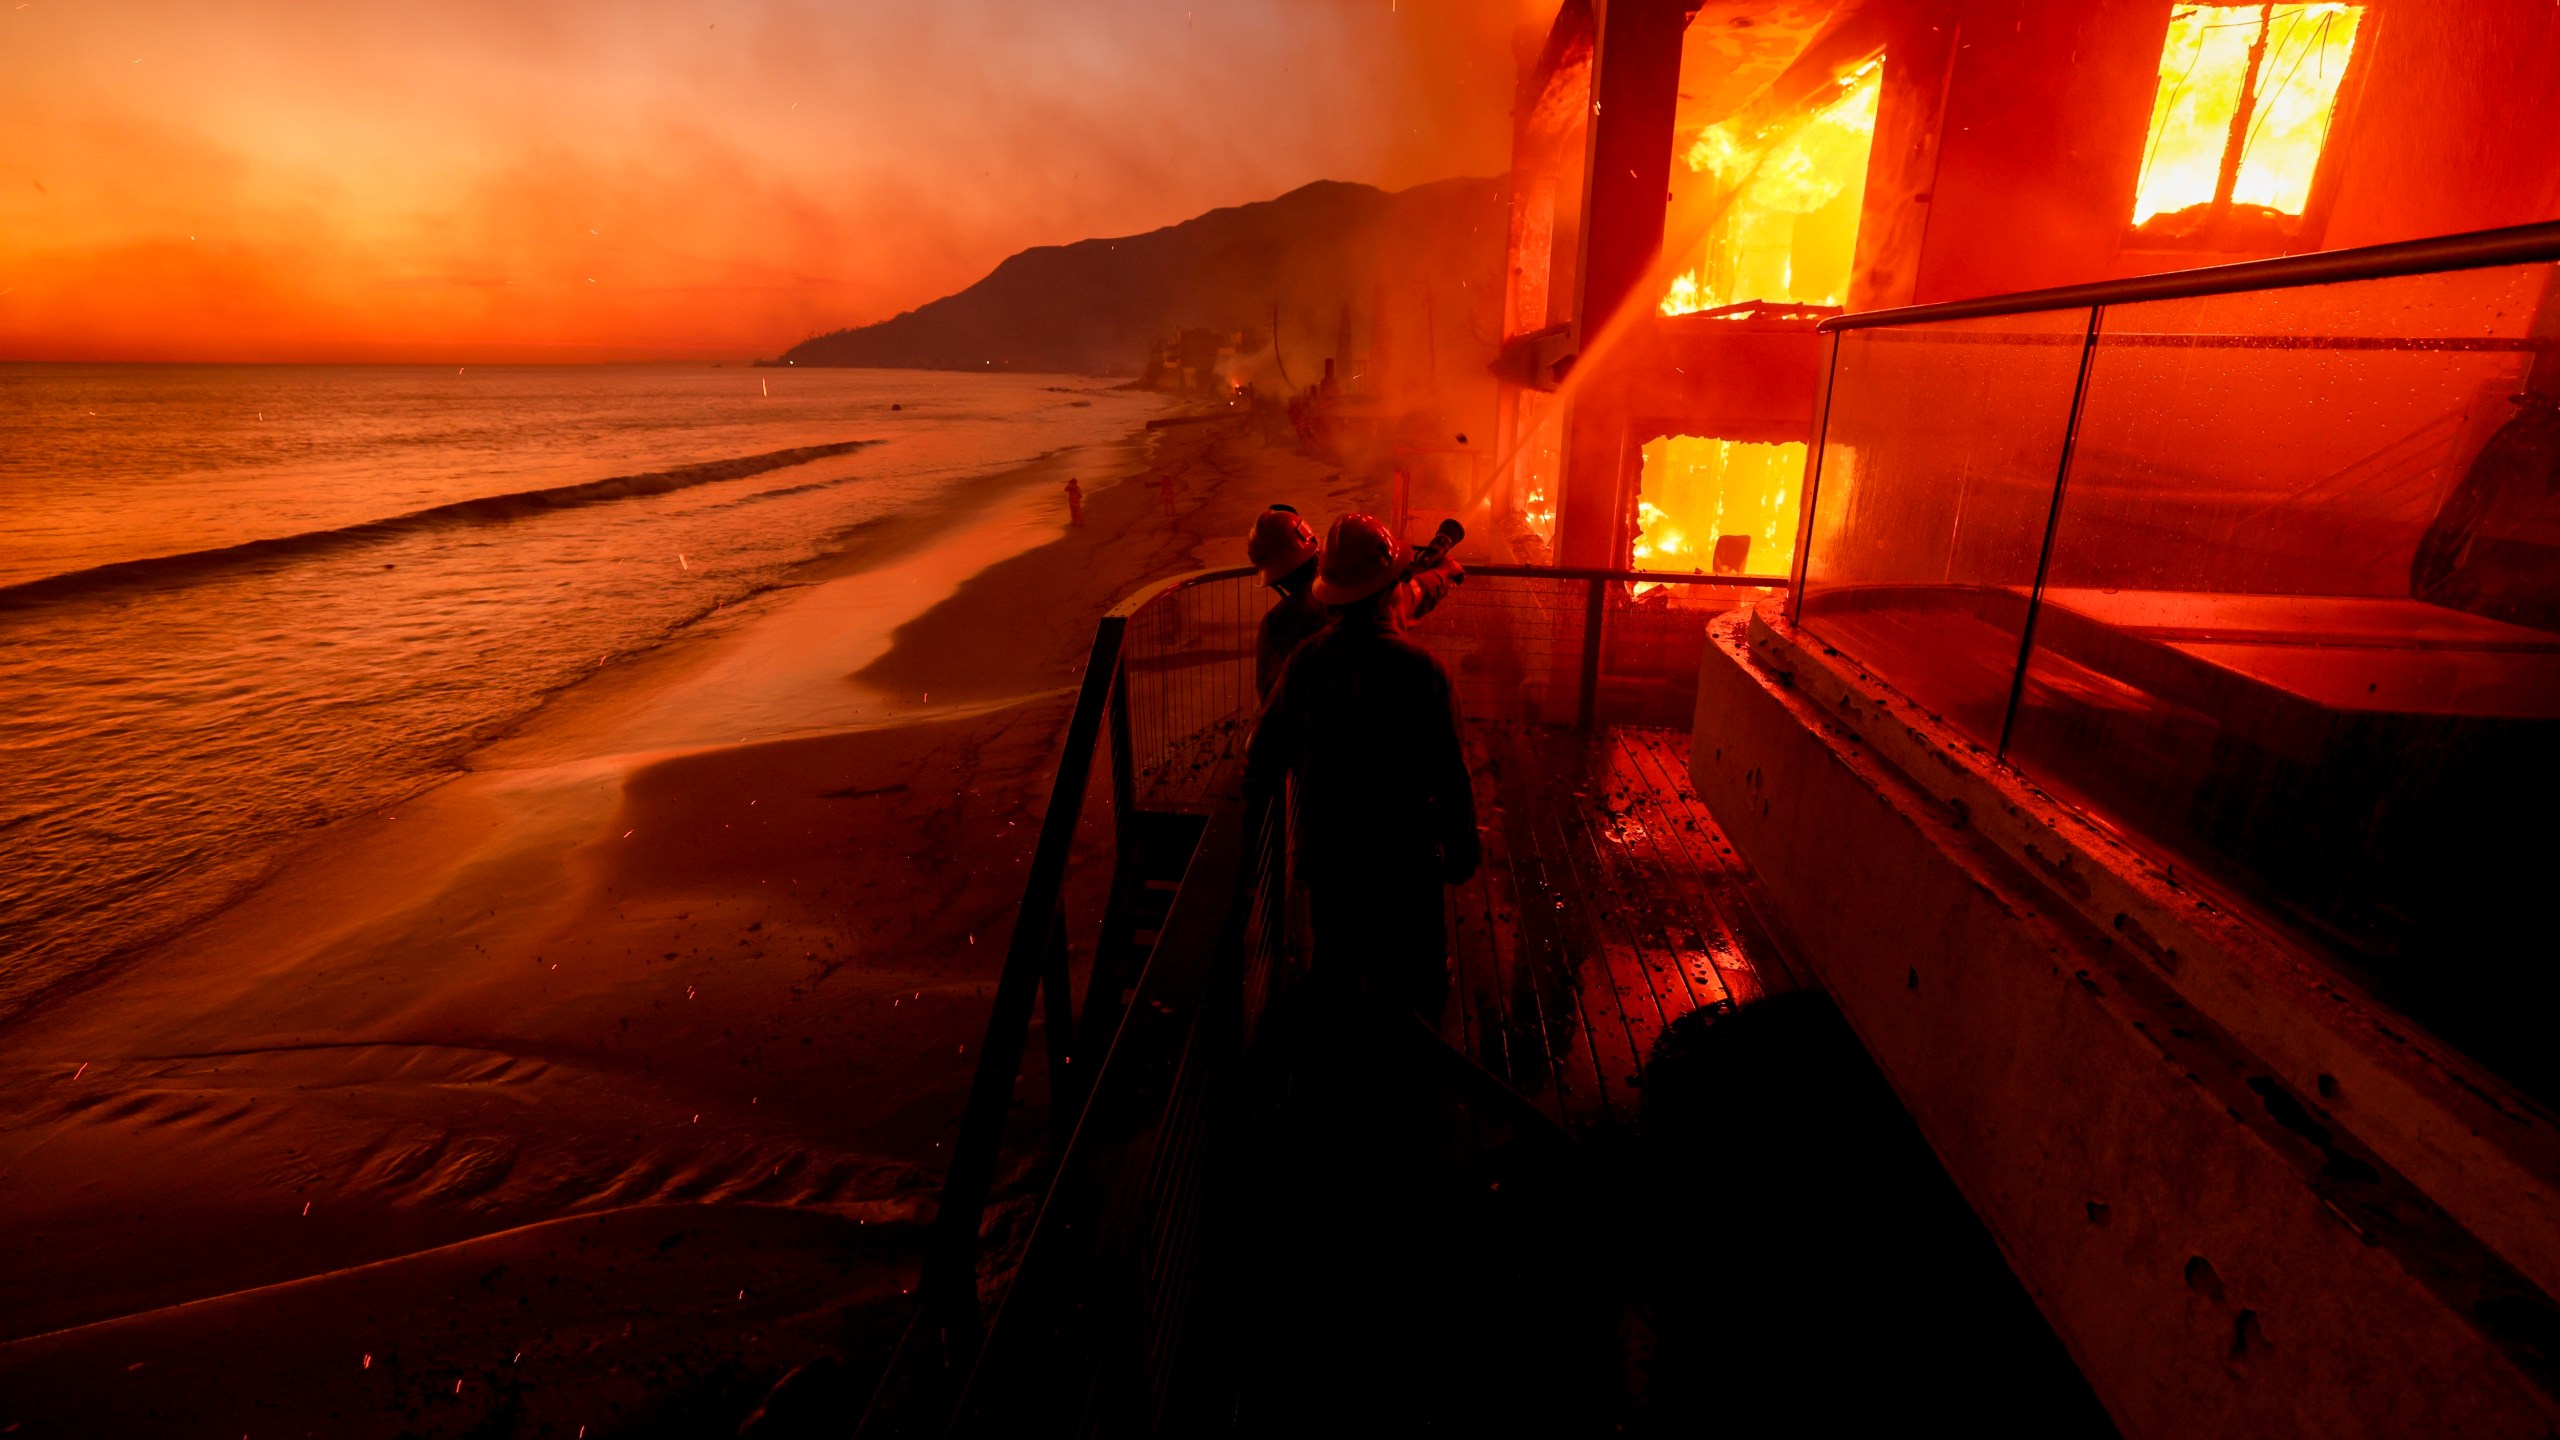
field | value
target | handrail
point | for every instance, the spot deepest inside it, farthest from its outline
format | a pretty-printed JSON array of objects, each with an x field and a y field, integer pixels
[
  {"x": 1033, "y": 955},
  {"x": 2475, "y": 250},
  {"x": 1045, "y": 1325}
]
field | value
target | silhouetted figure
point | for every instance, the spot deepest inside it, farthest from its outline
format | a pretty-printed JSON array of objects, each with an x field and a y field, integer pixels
[
  {"x": 1282, "y": 550},
  {"x": 1166, "y": 487},
  {"x": 1368, "y": 722},
  {"x": 1075, "y": 502}
]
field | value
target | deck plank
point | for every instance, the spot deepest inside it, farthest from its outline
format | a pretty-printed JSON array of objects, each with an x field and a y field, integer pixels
[
  {"x": 1544, "y": 983},
  {"x": 1746, "y": 952},
  {"x": 1657, "y": 825},
  {"x": 1629, "y": 941},
  {"x": 1660, "y": 887},
  {"x": 1526, "y": 940},
  {"x": 1580, "y": 970},
  {"x": 1609, "y": 904}
]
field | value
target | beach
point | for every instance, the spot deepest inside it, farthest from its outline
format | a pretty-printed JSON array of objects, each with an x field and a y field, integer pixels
[{"x": 601, "y": 1086}]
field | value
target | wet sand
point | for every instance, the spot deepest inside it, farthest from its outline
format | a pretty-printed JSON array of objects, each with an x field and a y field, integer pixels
[{"x": 605, "y": 1084}]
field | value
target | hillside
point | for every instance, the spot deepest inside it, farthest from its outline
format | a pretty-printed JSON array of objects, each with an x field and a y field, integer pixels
[{"x": 1093, "y": 307}]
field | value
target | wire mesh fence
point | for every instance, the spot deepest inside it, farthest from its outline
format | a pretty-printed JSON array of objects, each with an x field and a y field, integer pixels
[{"x": 1519, "y": 643}]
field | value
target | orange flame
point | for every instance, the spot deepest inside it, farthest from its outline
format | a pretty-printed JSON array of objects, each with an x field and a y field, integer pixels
[
  {"x": 1698, "y": 496},
  {"x": 2274, "y": 69},
  {"x": 1792, "y": 228}
]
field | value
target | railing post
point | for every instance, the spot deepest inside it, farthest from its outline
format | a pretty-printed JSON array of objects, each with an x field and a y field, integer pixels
[
  {"x": 1803, "y": 558},
  {"x": 2052, "y": 525},
  {"x": 1124, "y": 786},
  {"x": 1594, "y": 610},
  {"x": 1066, "y": 1083},
  {"x": 950, "y": 1280}
]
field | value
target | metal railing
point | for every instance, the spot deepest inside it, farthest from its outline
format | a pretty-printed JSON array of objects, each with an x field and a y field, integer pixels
[{"x": 1090, "y": 1310}]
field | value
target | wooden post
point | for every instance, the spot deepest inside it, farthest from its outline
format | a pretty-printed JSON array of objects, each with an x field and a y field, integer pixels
[
  {"x": 1594, "y": 622},
  {"x": 1635, "y": 92}
]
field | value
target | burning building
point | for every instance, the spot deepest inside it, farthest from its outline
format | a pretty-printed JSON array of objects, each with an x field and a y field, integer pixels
[
  {"x": 2082, "y": 484},
  {"x": 2115, "y": 382},
  {"x": 1695, "y": 188}
]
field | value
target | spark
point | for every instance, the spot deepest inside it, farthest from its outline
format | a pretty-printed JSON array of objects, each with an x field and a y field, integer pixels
[
  {"x": 84, "y": 1065},
  {"x": 368, "y": 1362},
  {"x": 680, "y": 560},
  {"x": 306, "y": 1207}
]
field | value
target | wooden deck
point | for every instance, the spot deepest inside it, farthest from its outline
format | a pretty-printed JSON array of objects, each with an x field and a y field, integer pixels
[{"x": 1610, "y": 904}]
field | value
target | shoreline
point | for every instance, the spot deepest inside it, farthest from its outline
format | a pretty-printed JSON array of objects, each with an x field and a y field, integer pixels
[
  {"x": 709, "y": 930},
  {"x": 852, "y": 550}
]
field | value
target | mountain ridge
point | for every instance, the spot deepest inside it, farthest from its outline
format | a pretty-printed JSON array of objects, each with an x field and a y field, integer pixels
[{"x": 1094, "y": 306}]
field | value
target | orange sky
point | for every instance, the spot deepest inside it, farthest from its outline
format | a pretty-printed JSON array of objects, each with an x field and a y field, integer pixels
[{"x": 596, "y": 179}]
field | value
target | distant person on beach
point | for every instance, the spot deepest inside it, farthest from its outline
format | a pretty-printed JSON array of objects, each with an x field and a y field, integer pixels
[
  {"x": 1368, "y": 722},
  {"x": 1075, "y": 502},
  {"x": 1282, "y": 550},
  {"x": 1166, "y": 487}
]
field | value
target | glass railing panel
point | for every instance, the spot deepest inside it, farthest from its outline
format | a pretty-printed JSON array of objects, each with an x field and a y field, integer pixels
[
  {"x": 2300, "y": 628},
  {"x": 1938, "y": 467}
]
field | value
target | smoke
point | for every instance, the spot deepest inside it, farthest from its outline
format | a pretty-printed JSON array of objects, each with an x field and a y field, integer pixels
[{"x": 624, "y": 178}]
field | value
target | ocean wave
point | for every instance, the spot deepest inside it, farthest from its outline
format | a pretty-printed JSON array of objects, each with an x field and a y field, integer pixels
[{"x": 191, "y": 564}]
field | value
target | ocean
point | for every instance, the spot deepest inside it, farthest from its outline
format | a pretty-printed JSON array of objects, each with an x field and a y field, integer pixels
[{"x": 240, "y": 602}]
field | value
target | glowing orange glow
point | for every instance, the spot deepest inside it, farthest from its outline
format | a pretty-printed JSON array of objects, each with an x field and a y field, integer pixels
[
  {"x": 1536, "y": 462},
  {"x": 586, "y": 179},
  {"x": 2243, "y": 109},
  {"x": 1695, "y": 493},
  {"x": 1791, "y": 230}
]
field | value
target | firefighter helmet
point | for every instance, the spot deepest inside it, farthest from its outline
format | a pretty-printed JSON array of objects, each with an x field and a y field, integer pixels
[
  {"x": 1361, "y": 558},
  {"x": 1281, "y": 542}
]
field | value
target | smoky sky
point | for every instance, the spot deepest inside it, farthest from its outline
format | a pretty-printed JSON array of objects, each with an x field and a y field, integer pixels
[{"x": 584, "y": 179}]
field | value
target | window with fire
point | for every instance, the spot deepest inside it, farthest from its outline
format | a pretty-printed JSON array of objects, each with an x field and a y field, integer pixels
[
  {"x": 2248, "y": 95},
  {"x": 1767, "y": 211}
]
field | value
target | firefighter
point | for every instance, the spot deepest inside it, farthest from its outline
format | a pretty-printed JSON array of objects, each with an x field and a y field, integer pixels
[
  {"x": 1368, "y": 723},
  {"x": 1282, "y": 550}
]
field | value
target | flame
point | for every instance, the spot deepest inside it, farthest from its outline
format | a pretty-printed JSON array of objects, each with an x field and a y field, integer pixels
[
  {"x": 1695, "y": 492},
  {"x": 1537, "y": 464},
  {"x": 1792, "y": 228},
  {"x": 1540, "y": 512},
  {"x": 2205, "y": 70}
]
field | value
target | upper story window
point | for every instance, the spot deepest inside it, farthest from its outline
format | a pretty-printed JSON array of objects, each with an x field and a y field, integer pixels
[
  {"x": 2247, "y": 93},
  {"x": 1784, "y": 201}
]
